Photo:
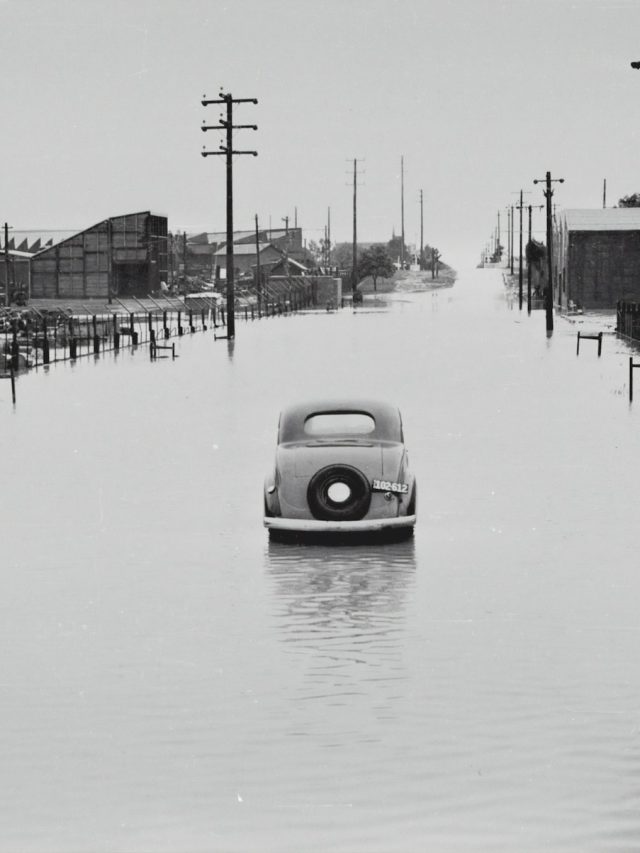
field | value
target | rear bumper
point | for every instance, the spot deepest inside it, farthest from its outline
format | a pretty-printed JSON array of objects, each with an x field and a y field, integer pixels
[{"x": 312, "y": 525}]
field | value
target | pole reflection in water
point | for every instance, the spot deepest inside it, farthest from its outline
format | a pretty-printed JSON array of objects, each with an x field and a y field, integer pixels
[{"x": 340, "y": 613}]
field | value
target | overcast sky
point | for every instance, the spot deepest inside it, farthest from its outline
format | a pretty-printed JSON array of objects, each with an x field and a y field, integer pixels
[{"x": 101, "y": 111}]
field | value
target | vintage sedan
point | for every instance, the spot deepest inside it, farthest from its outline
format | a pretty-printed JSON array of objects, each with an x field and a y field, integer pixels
[{"x": 341, "y": 468}]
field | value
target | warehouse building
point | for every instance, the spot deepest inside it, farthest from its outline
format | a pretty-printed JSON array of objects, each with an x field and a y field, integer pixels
[
  {"x": 597, "y": 257},
  {"x": 121, "y": 256}
]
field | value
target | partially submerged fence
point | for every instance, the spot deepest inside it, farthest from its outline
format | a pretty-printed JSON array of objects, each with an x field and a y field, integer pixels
[
  {"x": 32, "y": 337},
  {"x": 628, "y": 320}
]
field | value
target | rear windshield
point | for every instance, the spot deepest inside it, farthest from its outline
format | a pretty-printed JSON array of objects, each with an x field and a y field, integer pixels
[{"x": 339, "y": 423}]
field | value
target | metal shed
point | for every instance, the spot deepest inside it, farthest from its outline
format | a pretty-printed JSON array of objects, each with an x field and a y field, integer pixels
[
  {"x": 597, "y": 257},
  {"x": 121, "y": 256}
]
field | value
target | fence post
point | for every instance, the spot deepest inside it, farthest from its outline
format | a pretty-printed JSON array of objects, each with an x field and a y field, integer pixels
[
  {"x": 134, "y": 334},
  {"x": 15, "y": 350},
  {"x": 116, "y": 333},
  {"x": 96, "y": 339},
  {"x": 45, "y": 344}
]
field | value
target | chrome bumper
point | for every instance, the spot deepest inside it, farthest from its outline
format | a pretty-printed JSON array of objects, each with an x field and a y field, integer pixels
[{"x": 312, "y": 525}]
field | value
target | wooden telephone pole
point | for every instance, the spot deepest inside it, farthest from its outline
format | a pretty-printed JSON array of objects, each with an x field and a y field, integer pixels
[
  {"x": 354, "y": 262},
  {"x": 402, "y": 211},
  {"x": 421, "y": 233},
  {"x": 228, "y": 125},
  {"x": 258, "y": 273},
  {"x": 520, "y": 207},
  {"x": 548, "y": 193},
  {"x": 7, "y": 267}
]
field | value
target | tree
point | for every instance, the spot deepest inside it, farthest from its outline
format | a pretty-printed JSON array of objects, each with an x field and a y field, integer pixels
[
  {"x": 342, "y": 255},
  {"x": 632, "y": 200},
  {"x": 375, "y": 262},
  {"x": 394, "y": 249},
  {"x": 319, "y": 251}
]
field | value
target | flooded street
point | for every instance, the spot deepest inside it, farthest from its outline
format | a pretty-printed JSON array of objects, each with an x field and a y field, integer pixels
[{"x": 171, "y": 681}]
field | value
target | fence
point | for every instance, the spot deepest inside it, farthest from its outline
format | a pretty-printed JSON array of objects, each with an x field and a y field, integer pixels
[
  {"x": 33, "y": 337},
  {"x": 628, "y": 320}
]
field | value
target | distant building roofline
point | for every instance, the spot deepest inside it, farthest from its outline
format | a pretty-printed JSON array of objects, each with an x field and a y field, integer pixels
[{"x": 602, "y": 219}]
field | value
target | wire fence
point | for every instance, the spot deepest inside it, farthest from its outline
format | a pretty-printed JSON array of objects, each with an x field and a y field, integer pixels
[
  {"x": 628, "y": 320},
  {"x": 32, "y": 338}
]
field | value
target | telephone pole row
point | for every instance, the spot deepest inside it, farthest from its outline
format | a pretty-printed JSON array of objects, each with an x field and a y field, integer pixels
[{"x": 228, "y": 125}]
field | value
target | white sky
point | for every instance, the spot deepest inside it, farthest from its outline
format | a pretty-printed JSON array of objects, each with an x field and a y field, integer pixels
[{"x": 101, "y": 111}]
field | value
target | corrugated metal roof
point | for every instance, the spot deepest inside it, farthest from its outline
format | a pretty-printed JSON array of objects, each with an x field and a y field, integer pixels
[
  {"x": 603, "y": 219},
  {"x": 221, "y": 236},
  {"x": 244, "y": 249}
]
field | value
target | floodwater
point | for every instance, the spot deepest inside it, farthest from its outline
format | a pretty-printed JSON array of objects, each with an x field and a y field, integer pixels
[{"x": 170, "y": 681}]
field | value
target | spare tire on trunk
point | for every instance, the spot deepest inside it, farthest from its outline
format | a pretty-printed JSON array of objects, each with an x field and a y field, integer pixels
[{"x": 339, "y": 493}]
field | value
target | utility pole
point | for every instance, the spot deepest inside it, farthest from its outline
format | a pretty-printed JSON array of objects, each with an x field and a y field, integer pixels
[
  {"x": 530, "y": 208},
  {"x": 520, "y": 258},
  {"x": 329, "y": 237},
  {"x": 285, "y": 219},
  {"x": 354, "y": 251},
  {"x": 402, "y": 211},
  {"x": 529, "y": 267},
  {"x": 511, "y": 228},
  {"x": 520, "y": 207},
  {"x": 7, "y": 295},
  {"x": 258, "y": 276},
  {"x": 228, "y": 125},
  {"x": 548, "y": 193},
  {"x": 184, "y": 253},
  {"x": 421, "y": 233},
  {"x": 604, "y": 194}
]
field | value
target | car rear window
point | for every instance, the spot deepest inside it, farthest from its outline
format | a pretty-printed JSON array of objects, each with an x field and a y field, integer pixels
[{"x": 339, "y": 423}]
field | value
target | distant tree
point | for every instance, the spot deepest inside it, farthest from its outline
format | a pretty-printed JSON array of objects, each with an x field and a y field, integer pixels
[
  {"x": 394, "y": 249},
  {"x": 375, "y": 262},
  {"x": 342, "y": 255},
  {"x": 535, "y": 252},
  {"x": 314, "y": 250},
  {"x": 632, "y": 200}
]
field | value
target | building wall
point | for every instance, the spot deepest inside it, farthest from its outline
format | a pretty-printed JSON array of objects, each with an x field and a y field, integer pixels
[
  {"x": 601, "y": 268},
  {"x": 19, "y": 272},
  {"x": 245, "y": 262},
  {"x": 125, "y": 254}
]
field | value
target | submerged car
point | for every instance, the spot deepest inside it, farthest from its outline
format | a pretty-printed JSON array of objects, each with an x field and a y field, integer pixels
[{"x": 340, "y": 468}]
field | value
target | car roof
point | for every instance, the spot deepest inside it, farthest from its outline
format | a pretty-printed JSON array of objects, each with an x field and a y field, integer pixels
[{"x": 386, "y": 416}]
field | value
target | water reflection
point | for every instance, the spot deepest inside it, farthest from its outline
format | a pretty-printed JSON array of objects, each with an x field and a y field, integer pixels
[
  {"x": 340, "y": 613},
  {"x": 350, "y": 585}
]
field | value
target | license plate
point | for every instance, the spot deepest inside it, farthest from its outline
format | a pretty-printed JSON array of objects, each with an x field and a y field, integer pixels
[{"x": 388, "y": 486}]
